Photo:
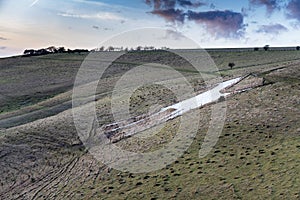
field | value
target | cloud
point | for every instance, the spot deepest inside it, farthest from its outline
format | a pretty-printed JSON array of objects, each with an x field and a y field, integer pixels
[
  {"x": 245, "y": 12},
  {"x": 3, "y": 38},
  {"x": 272, "y": 29},
  {"x": 168, "y": 10},
  {"x": 212, "y": 6},
  {"x": 271, "y": 5},
  {"x": 161, "y": 4},
  {"x": 176, "y": 35},
  {"x": 169, "y": 4},
  {"x": 226, "y": 23},
  {"x": 107, "y": 29},
  {"x": 95, "y": 3},
  {"x": 33, "y": 3},
  {"x": 2, "y": 47},
  {"x": 95, "y": 27},
  {"x": 220, "y": 23},
  {"x": 100, "y": 16},
  {"x": 185, "y": 3},
  {"x": 171, "y": 15},
  {"x": 293, "y": 9}
]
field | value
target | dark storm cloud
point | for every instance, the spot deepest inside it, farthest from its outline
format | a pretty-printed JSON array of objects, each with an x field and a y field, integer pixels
[
  {"x": 272, "y": 29},
  {"x": 161, "y": 4},
  {"x": 166, "y": 9},
  {"x": 220, "y": 23},
  {"x": 190, "y": 4},
  {"x": 172, "y": 15},
  {"x": 271, "y": 5},
  {"x": 169, "y": 4},
  {"x": 293, "y": 9}
]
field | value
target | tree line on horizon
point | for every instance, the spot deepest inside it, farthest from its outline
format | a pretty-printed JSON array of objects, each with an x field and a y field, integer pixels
[
  {"x": 127, "y": 49},
  {"x": 51, "y": 50}
]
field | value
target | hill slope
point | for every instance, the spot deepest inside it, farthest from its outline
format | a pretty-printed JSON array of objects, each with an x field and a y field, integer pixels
[{"x": 41, "y": 156}]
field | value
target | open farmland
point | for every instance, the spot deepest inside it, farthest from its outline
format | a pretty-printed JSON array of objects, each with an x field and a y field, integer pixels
[{"x": 41, "y": 156}]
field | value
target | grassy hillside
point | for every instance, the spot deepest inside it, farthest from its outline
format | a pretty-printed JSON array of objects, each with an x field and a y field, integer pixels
[{"x": 257, "y": 155}]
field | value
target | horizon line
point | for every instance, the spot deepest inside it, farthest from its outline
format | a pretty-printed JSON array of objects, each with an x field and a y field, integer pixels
[{"x": 161, "y": 48}]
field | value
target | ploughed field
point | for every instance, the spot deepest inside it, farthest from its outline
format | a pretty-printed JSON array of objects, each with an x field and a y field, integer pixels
[{"x": 257, "y": 154}]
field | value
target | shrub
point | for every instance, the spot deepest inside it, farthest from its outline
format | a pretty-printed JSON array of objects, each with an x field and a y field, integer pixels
[
  {"x": 231, "y": 65},
  {"x": 266, "y": 47}
]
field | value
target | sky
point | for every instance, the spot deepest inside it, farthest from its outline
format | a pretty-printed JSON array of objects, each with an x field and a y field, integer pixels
[{"x": 27, "y": 24}]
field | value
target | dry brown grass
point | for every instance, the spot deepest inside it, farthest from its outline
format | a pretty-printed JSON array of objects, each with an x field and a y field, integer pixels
[{"x": 257, "y": 154}]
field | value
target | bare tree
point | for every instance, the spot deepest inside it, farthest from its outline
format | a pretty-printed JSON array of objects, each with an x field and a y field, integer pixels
[
  {"x": 52, "y": 49},
  {"x": 110, "y": 48},
  {"x": 61, "y": 50},
  {"x": 101, "y": 48},
  {"x": 139, "y": 48}
]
